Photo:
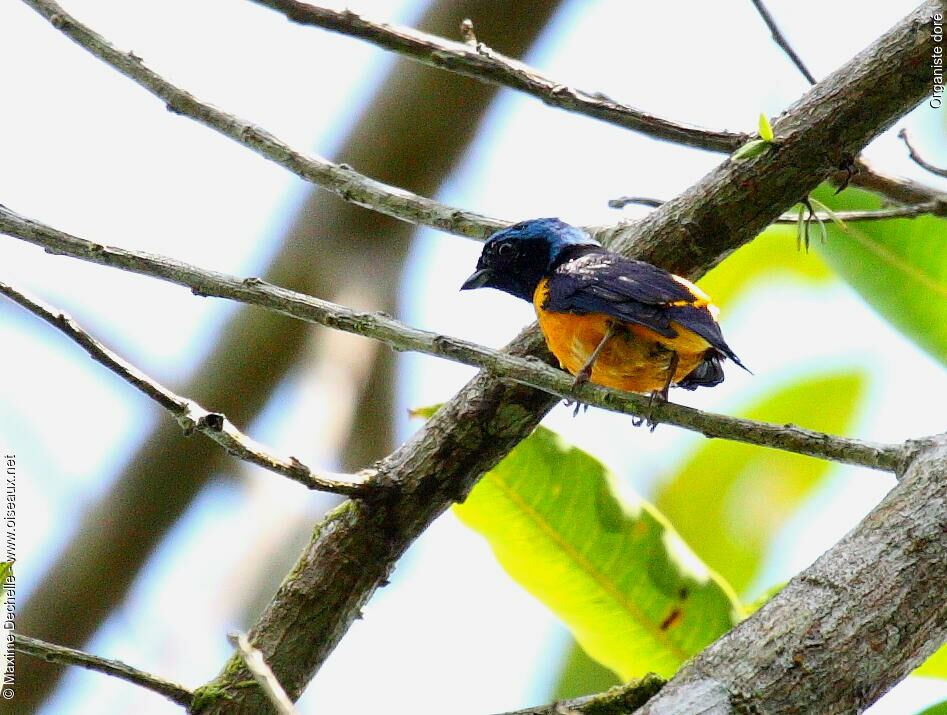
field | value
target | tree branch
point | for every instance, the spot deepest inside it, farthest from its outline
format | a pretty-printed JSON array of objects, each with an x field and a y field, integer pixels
[
  {"x": 936, "y": 207},
  {"x": 69, "y": 656},
  {"x": 340, "y": 179},
  {"x": 818, "y": 646},
  {"x": 486, "y": 65},
  {"x": 781, "y": 40},
  {"x": 189, "y": 414},
  {"x": 625, "y": 698},
  {"x": 918, "y": 159},
  {"x": 403, "y": 337}
]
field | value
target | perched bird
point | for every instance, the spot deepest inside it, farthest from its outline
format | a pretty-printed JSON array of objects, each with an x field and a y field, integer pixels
[{"x": 609, "y": 319}]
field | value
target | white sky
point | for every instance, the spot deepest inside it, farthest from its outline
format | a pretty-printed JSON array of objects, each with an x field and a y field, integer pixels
[{"x": 87, "y": 151}]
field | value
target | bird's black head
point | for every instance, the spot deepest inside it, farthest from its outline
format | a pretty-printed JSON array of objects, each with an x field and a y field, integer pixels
[{"x": 515, "y": 259}]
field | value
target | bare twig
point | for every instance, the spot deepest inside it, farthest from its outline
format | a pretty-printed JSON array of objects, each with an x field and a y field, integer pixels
[
  {"x": 190, "y": 415},
  {"x": 781, "y": 40},
  {"x": 262, "y": 674},
  {"x": 917, "y": 158},
  {"x": 338, "y": 178},
  {"x": 404, "y": 337},
  {"x": 69, "y": 656},
  {"x": 489, "y": 66},
  {"x": 935, "y": 207}
]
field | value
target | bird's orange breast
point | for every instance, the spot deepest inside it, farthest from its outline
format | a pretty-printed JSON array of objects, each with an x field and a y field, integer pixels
[{"x": 635, "y": 359}]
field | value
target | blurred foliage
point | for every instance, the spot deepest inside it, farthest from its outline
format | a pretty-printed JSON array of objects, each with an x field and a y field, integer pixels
[
  {"x": 771, "y": 254},
  {"x": 899, "y": 266},
  {"x": 935, "y": 666},
  {"x": 730, "y": 499},
  {"x": 580, "y": 674},
  {"x": 609, "y": 566},
  {"x": 937, "y": 709}
]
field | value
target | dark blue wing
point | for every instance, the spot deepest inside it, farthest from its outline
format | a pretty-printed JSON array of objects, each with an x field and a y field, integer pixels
[
  {"x": 599, "y": 281},
  {"x": 625, "y": 289}
]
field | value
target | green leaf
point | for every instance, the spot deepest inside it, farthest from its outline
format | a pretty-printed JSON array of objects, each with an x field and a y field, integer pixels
[
  {"x": 581, "y": 675},
  {"x": 612, "y": 568},
  {"x": 766, "y": 129},
  {"x": 936, "y": 709},
  {"x": 935, "y": 666},
  {"x": 752, "y": 148},
  {"x": 730, "y": 499},
  {"x": 899, "y": 266}
]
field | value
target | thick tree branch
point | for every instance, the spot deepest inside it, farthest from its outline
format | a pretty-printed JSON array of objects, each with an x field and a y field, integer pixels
[
  {"x": 870, "y": 92},
  {"x": 341, "y": 179},
  {"x": 842, "y": 632},
  {"x": 399, "y": 336},
  {"x": 189, "y": 414},
  {"x": 483, "y": 63},
  {"x": 69, "y": 656}
]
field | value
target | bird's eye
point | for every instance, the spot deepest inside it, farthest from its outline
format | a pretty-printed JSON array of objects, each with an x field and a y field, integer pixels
[{"x": 505, "y": 250}]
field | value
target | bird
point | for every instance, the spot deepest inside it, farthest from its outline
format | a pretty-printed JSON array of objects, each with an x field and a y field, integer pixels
[{"x": 608, "y": 319}]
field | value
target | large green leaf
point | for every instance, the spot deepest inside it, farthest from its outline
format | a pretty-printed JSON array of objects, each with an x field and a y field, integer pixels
[
  {"x": 632, "y": 593},
  {"x": 899, "y": 266},
  {"x": 730, "y": 498}
]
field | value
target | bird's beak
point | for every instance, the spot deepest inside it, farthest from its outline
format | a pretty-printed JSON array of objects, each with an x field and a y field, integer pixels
[{"x": 478, "y": 279}]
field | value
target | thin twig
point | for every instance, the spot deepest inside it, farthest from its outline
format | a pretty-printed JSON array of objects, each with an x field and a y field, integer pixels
[
  {"x": 781, "y": 40},
  {"x": 399, "y": 336},
  {"x": 489, "y": 66},
  {"x": 263, "y": 675},
  {"x": 935, "y": 207},
  {"x": 341, "y": 179},
  {"x": 918, "y": 159},
  {"x": 69, "y": 656},
  {"x": 189, "y": 414}
]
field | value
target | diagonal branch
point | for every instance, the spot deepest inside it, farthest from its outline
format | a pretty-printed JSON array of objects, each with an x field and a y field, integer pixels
[
  {"x": 817, "y": 646},
  {"x": 936, "y": 207},
  {"x": 69, "y": 656},
  {"x": 341, "y": 179},
  {"x": 403, "y": 337},
  {"x": 190, "y": 415},
  {"x": 487, "y": 65},
  {"x": 780, "y": 40}
]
